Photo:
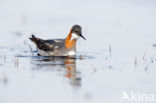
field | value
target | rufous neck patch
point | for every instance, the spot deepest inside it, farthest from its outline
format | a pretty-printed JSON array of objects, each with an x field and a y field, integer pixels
[{"x": 70, "y": 43}]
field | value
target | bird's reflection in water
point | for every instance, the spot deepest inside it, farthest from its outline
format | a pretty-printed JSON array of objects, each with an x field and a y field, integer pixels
[
  {"x": 72, "y": 74},
  {"x": 65, "y": 64}
]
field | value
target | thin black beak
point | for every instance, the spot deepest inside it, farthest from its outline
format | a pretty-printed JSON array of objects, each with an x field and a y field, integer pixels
[{"x": 82, "y": 36}]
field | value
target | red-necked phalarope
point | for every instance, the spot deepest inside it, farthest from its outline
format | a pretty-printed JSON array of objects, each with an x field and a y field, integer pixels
[{"x": 59, "y": 47}]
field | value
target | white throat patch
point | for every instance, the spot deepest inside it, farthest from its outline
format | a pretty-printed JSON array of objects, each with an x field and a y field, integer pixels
[{"x": 74, "y": 36}]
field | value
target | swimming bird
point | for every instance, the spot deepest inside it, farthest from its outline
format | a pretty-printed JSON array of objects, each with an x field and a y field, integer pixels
[{"x": 59, "y": 47}]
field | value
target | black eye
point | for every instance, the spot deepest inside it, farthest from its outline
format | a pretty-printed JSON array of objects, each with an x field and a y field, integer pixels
[{"x": 76, "y": 30}]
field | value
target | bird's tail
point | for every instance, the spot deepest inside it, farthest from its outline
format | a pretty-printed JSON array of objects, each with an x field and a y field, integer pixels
[{"x": 34, "y": 39}]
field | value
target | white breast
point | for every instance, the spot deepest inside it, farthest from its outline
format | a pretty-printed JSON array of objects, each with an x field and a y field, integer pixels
[{"x": 71, "y": 53}]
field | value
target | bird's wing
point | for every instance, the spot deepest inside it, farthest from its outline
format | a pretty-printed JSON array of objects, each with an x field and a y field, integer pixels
[{"x": 45, "y": 45}]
